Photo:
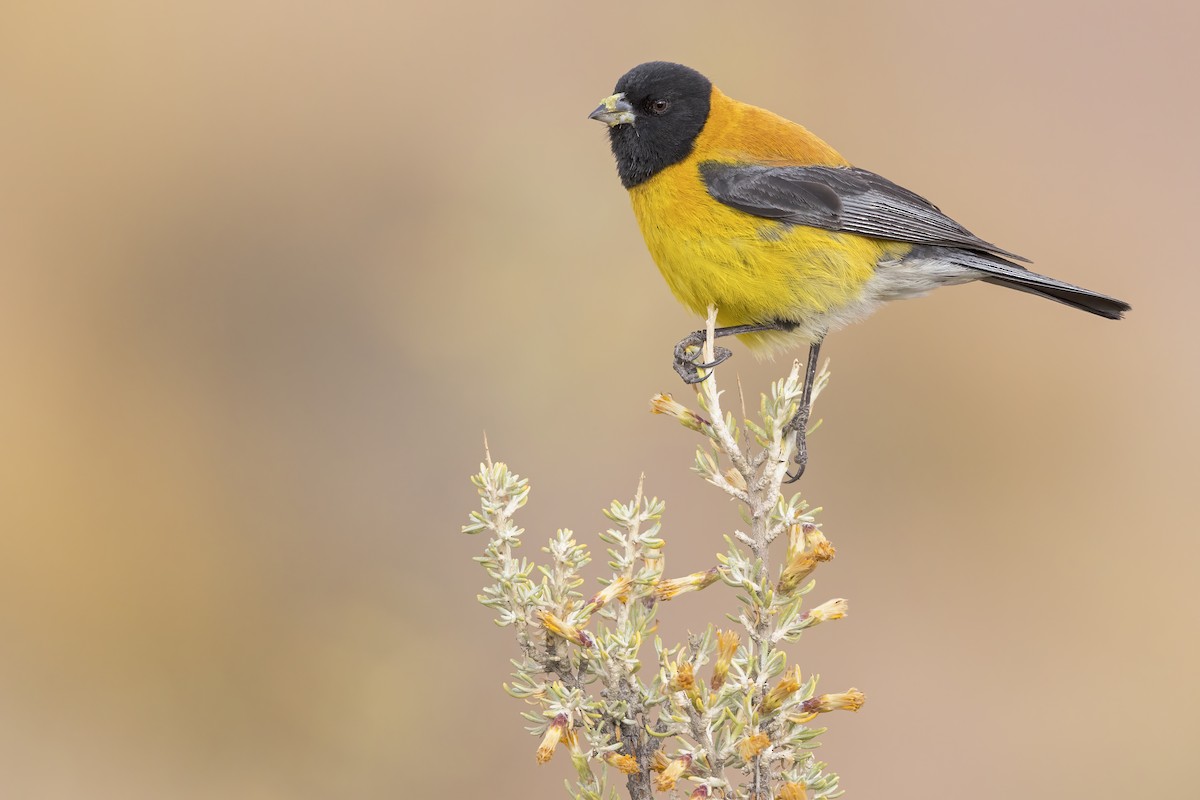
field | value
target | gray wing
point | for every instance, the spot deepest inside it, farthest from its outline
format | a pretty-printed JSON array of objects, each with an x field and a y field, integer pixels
[{"x": 839, "y": 199}]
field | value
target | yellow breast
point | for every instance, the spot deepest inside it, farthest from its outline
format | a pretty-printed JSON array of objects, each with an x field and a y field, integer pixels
[{"x": 753, "y": 269}]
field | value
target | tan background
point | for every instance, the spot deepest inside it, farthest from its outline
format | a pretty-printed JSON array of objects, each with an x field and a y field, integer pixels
[{"x": 269, "y": 270}]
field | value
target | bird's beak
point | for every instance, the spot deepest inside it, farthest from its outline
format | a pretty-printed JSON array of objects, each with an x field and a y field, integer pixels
[{"x": 614, "y": 111}]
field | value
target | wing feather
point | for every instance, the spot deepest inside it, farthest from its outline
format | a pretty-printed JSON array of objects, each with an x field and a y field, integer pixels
[{"x": 844, "y": 199}]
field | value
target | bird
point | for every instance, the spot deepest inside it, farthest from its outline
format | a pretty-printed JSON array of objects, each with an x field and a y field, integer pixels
[{"x": 752, "y": 213}]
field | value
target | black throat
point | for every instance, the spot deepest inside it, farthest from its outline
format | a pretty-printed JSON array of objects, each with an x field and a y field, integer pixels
[{"x": 652, "y": 143}]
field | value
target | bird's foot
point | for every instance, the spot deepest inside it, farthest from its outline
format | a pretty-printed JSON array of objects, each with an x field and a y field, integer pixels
[
  {"x": 799, "y": 426},
  {"x": 687, "y": 355}
]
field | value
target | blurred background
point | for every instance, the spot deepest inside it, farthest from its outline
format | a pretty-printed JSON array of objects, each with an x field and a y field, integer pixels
[{"x": 269, "y": 270}]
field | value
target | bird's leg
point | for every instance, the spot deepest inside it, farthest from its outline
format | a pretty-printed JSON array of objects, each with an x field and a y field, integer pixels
[
  {"x": 690, "y": 347},
  {"x": 799, "y": 423}
]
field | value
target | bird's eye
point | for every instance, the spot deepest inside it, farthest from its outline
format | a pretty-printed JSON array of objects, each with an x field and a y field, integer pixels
[{"x": 659, "y": 106}]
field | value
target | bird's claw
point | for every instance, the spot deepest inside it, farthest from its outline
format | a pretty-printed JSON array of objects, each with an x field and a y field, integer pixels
[
  {"x": 801, "y": 459},
  {"x": 689, "y": 373},
  {"x": 689, "y": 350}
]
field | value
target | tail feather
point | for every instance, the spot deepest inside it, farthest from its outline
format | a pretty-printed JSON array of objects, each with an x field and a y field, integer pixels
[{"x": 1005, "y": 273}]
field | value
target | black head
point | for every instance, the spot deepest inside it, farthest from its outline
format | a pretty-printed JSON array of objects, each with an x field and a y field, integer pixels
[{"x": 669, "y": 106}]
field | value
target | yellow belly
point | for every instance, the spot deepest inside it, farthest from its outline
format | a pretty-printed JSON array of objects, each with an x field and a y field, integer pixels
[{"x": 754, "y": 270}]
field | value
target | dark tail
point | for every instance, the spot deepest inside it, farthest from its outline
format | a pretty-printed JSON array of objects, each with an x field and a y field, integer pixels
[{"x": 1005, "y": 273}]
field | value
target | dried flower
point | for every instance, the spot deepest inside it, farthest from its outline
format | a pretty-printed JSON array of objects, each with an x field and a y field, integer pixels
[
  {"x": 796, "y": 571},
  {"x": 793, "y": 791},
  {"x": 807, "y": 547},
  {"x": 805, "y": 536},
  {"x": 782, "y": 691},
  {"x": 683, "y": 678},
  {"x": 616, "y": 588},
  {"x": 727, "y": 645},
  {"x": 816, "y": 541},
  {"x": 564, "y": 631},
  {"x": 830, "y": 609},
  {"x": 751, "y": 746},
  {"x": 665, "y": 781},
  {"x": 797, "y": 542},
  {"x": 551, "y": 738},
  {"x": 665, "y": 404},
  {"x": 736, "y": 479},
  {"x": 665, "y": 590},
  {"x": 699, "y": 793},
  {"x": 621, "y": 762},
  {"x": 850, "y": 700}
]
